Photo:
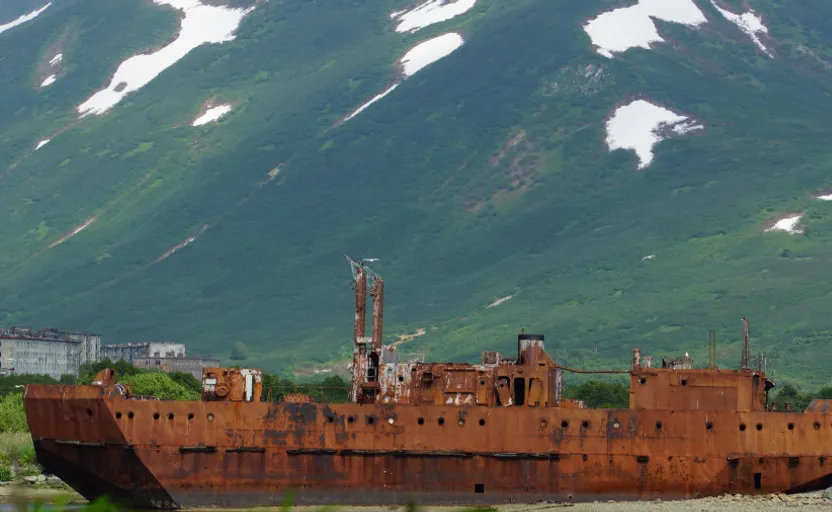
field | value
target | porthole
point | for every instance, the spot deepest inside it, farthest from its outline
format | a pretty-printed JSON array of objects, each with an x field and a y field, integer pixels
[
  {"x": 564, "y": 424},
  {"x": 642, "y": 380},
  {"x": 118, "y": 415},
  {"x": 190, "y": 416},
  {"x": 684, "y": 382},
  {"x": 658, "y": 425},
  {"x": 543, "y": 424},
  {"x": 130, "y": 415},
  {"x": 441, "y": 420},
  {"x": 790, "y": 426},
  {"x": 709, "y": 425},
  {"x": 89, "y": 412},
  {"x": 482, "y": 422},
  {"x": 759, "y": 426},
  {"x": 210, "y": 417},
  {"x": 330, "y": 419},
  {"x": 170, "y": 415},
  {"x": 421, "y": 421},
  {"x": 816, "y": 425},
  {"x": 351, "y": 419},
  {"x": 155, "y": 415},
  {"x": 401, "y": 378},
  {"x": 742, "y": 427},
  {"x": 371, "y": 420},
  {"x": 585, "y": 424}
]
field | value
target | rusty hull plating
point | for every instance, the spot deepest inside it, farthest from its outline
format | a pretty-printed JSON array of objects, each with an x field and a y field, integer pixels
[{"x": 443, "y": 433}]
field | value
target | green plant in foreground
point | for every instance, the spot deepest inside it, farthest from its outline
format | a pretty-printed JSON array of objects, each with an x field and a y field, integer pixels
[
  {"x": 12, "y": 414},
  {"x": 26, "y": 454},
  {"x": 61, "y": 503},
  {"x": 5, "y": 472}
]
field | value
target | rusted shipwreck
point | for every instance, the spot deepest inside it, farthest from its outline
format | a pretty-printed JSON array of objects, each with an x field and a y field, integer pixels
[{"x": 495, "y": 432}]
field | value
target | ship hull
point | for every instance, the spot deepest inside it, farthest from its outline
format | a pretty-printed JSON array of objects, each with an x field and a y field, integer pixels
[{"x": 160, "y": 454}]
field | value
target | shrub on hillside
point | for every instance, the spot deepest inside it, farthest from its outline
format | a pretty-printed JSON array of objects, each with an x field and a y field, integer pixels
[
  {"x": 8, "y": 383},
  {"x": 239, "y": 352},
  {"x": 160, "y": 385},
  {"x": 122, "y": 368},
  {"x": 598, "y": 394},
  {"x": 187, "y": 381}
]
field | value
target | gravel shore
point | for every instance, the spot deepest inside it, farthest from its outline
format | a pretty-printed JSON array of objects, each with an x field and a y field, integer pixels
[
  {"x": 808, "y": 502},
  {"x": 768, "y": 503}
]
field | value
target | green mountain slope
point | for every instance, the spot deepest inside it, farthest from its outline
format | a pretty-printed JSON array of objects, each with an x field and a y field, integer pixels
[{"x": 485, "y": 175}]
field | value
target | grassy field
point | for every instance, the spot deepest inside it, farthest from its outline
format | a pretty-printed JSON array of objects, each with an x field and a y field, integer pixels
[{"x": 16, "y": 450}]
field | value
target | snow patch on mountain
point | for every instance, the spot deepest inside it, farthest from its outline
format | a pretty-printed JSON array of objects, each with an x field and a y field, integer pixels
[
  {"x": 201, "y": 24},
  {"x": 749, "y": 23},
  {"x": 640, "y": 125},
  {"x": 271, "y": 175},
  {"x": 181, "y": 245},
  {"x": 633, "y": 27},
  {"x": 787, "y": 224},
  {"x": 49, "y": 81},
  {"x": 56, "y": 59},
  {"x": 500, "y": 301},
  {"x": 429, "y": 13},
  {"x": 41, "y": 144},
  {"x": 211, "y": 115},
  {"x": 375, "y": 98},
  {"x": 827, "y": 197},
  {"x": 416, "y": 59},
  {"x": 74, "y": 231},
  {"x": 23, "y": 19},
  {"x": 430, "y": 51}
]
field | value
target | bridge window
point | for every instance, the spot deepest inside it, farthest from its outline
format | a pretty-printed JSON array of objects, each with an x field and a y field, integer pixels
[
  {"x": 372, "y": 370},
  {"x": 519, "y": 390},
  {"x": 502, "y": 391}
]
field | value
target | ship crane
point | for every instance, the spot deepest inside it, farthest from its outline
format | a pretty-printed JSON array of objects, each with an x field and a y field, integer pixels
[{"x": 366, "y": 349}]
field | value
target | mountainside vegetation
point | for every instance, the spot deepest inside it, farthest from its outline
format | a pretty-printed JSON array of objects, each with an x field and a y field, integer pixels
[{"x": 483, "y": 183}]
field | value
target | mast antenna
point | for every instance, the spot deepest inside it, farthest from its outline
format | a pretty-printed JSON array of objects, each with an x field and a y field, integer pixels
[{"x": 746, "y": 350}]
